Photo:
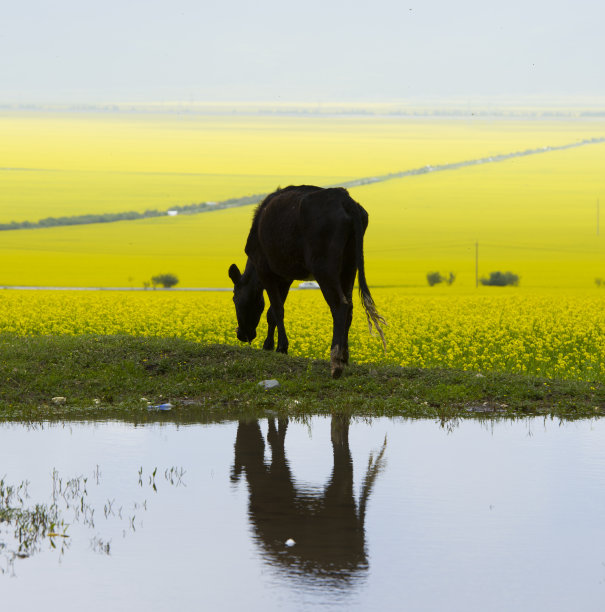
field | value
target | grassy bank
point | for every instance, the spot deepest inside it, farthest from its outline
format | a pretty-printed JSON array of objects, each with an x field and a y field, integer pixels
[{"x": 106, "y": 377}]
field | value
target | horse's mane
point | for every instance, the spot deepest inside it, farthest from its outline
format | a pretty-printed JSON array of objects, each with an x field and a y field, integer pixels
[{"x": 253, "y": 235}]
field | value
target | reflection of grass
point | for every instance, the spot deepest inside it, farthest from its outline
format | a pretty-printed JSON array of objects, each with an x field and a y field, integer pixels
[
  {"x": 207, "y": 383},
  {"x": 25, "y": 529}
]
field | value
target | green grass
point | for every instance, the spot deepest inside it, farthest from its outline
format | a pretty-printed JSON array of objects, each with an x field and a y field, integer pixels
[{"x": 106, "y": 377}]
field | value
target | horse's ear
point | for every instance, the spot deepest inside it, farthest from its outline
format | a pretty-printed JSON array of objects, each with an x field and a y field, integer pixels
[{"x": 234, "y": 274}]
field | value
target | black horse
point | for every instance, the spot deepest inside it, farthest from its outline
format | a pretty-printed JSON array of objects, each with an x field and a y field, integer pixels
[
  {"x": 327, "y": 525},
  {"x": 301, "y": 233}
]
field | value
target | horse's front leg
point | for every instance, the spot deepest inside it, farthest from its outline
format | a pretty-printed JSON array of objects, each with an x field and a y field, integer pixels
[
  {"x": 282, "y": 338},
  {"x": 277, "y": 293},
  {"x": 269, "y": 343}
]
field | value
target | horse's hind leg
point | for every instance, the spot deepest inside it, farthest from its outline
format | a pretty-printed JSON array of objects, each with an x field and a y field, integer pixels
[
  {"x": 339, "y": 355},
  {"x": 341, "y": 309}
]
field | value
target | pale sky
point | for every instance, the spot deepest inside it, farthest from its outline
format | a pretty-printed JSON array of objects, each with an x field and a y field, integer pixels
[{"x": 79, "y": 51}]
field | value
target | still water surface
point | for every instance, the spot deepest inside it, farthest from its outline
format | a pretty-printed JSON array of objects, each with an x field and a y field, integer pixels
[{"x": 382, "y": 514}]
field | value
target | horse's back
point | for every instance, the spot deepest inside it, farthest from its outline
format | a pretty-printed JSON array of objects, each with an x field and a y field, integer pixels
[{"x": 295, "y": 226}]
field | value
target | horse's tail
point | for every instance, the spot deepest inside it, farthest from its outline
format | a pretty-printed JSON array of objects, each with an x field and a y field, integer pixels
[{"x": 374, "y": 318}]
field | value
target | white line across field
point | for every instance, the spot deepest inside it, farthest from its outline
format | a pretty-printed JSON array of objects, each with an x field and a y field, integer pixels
[{"x": 171, "y": 290}]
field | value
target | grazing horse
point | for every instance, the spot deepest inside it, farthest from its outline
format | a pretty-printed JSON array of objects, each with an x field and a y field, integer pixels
[{"x": 301, "y": 233}]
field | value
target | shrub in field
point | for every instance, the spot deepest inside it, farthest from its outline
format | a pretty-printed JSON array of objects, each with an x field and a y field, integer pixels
[
  {"x": 434, "y": 278},
  {"x": 166, "y": 280},
  {"x": 501, "y": 279}
]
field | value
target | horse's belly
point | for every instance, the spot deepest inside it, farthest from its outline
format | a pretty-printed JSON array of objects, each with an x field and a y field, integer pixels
[{"x": 292, "y": 270}]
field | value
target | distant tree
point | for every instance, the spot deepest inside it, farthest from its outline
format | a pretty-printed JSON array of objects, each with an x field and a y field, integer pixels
[
  {"x": 501, "y": 279},
  {"x": 166, "y": 280},
  {"x": 434, "y": 278}
]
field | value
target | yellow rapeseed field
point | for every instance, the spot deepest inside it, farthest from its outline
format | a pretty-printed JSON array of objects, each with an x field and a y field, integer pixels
[
  {"x": 535, "y": 216},
  {"x": 54, "y": 164},
  {"x": 553, "y": 335}
]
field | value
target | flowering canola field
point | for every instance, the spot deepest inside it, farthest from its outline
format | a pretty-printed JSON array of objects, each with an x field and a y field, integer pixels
[
  {"x": 535, "y": 216},
  {"x": 553, "y": 335},
  {"x": 54, "y": 164}
]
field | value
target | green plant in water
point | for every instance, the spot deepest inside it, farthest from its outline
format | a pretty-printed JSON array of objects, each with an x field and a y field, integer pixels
[{"x": 24, "y": 528}]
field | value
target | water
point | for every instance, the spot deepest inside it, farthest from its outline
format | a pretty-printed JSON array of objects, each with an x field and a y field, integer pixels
[{"x": 503, "y": 516}]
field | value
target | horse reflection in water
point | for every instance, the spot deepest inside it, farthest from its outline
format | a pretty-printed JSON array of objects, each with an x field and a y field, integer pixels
[{"x": 327, "y": 527}]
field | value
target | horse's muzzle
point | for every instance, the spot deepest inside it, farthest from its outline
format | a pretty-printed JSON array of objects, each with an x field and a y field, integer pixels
[{"x": 242, "y": 337}]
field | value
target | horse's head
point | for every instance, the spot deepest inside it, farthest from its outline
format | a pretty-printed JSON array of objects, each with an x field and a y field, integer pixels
[{"x": 248, "y": 300}]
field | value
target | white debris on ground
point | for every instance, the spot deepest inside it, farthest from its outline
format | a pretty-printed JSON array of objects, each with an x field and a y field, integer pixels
[{"x": 268, "y": 384}]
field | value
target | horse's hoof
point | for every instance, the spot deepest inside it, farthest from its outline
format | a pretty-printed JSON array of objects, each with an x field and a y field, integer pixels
[
  {"x": 336, "y": 362},
  {"x": 336, "y": 370}
]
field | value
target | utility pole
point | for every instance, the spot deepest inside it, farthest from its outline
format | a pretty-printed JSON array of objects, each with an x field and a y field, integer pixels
[{"x": 477, "y": 264}]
